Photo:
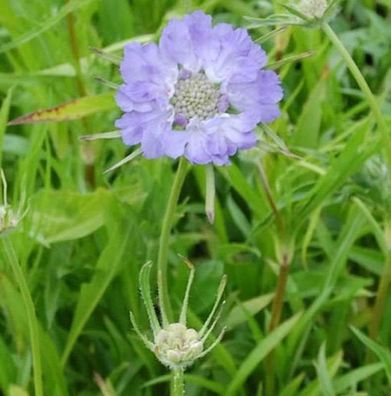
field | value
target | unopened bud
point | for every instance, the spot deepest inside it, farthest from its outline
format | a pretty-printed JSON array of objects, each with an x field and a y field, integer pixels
[
  {"x": 313, "y": 8},
  {"x": 8, "y": 219},
  {"x": 176, "y": 346}
]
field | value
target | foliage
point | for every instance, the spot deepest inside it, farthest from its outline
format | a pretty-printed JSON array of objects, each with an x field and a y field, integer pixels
[{"x": 84, "y": 234}]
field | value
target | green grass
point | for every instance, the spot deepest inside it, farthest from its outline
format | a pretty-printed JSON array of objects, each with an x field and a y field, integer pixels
[{"x": 69, "y": 270}]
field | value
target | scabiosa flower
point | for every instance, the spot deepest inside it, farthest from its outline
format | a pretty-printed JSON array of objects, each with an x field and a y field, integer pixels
[{"x": 198, "y": 93}]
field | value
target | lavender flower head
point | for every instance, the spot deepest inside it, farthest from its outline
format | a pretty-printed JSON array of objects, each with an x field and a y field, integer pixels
[{"x": 199, "y": 93}]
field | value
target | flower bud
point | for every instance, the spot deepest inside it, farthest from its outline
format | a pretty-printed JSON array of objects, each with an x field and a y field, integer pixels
[
  {"x": 176, "y": 346},
  {"x": 313, "y": 8},
  {"x": 8, "y": 219}
]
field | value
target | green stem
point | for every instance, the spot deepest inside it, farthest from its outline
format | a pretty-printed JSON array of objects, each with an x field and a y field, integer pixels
[
  {"x": 168, "y": 219},
  {"x": 361, "y": 82},
  {"x": 381, "y": 299},
  {"x": 277, "y": 215},
  {"x": 30, "y": 312},
  {"x": 278, "y": 300},
  {"x": 383, "y": 287},
  {"x": 75, "y": 53},
  {"x": 87, "y": 147},
  {"x": 178, "y": 383}
]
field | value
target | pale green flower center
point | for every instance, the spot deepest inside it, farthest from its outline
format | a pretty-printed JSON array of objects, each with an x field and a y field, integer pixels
[{"x": 196, "y": 97}]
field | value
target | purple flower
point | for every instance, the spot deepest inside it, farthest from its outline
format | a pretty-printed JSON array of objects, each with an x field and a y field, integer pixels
[{"x": 199, "y": 93}]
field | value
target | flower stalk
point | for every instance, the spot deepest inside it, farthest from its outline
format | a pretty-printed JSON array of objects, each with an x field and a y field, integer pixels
[
  {"x": 164, "y": 240},
  {"x": 178, "y": 384},
  {"x": 284, "y": 256},
  {"x": 279, "y": 295}
]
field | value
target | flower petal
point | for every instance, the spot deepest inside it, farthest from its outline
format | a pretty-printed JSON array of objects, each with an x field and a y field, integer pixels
[
  {"x": 204, "y": 41},
  {"x": 259, "y": 97},
  {"x": 145, "y": 63},
  {"x": 176, "y": 45},
  {"x": 135, "y": 126},
  {"x": 196, "y": 150},
  {"x": 238, "y": 58},
  {"x": 125, "y": 102},
  {"x": 175, "y": 142},
  {"x": 152, "y": 144}
]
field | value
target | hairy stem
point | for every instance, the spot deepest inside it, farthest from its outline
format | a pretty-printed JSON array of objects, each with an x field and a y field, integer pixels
[
  {"x": 30, "y": 312},
  {"x": 177, "y": 383},
  {"x": 168, "y": 219}
]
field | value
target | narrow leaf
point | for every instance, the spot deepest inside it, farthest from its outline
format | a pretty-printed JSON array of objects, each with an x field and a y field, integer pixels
[
  {"x": 382, "y": 353},
  {"x": 260, "y": 352},
  {"x": 73, "y": 110},
  {"x": 5, "y": 107}
]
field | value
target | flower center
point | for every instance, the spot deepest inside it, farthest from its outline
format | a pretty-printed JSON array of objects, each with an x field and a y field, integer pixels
[{"x": 196, "y": 97}]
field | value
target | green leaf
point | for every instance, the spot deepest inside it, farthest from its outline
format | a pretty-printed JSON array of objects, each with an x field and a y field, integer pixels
[
  {"x": 251, "y": 307},
  {"x": 309, "y": 122},
  {"x": 324, "y": 376},
  {"x": 5, "y": 107},
  {"x": 238, "y": 180},
  {"x": 73, "y": 110},
  {"x": 63, "y": 216},
  {"x": 330, "y": 366},
  {"x": 382, "y": 353},
  {"x": 69, "y": 7},
  {"x": 107, "y": 267},
  {"x": 207, "y": 278},
  {"x": 260, "y": 352},
  {"x": 15, "y": 390},
  {"x": 54, "y": 378},
  {"x": 292, "y": 388},
  {"x": 352, "y": 378},
  {"x": 356, "y": 151},
  {"x": 290, "y": 59}
]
